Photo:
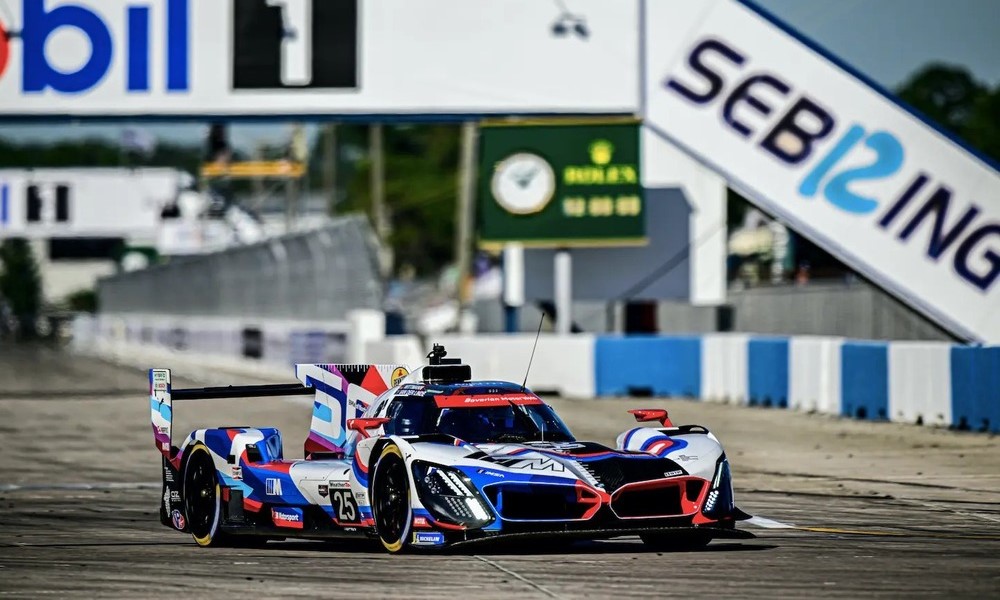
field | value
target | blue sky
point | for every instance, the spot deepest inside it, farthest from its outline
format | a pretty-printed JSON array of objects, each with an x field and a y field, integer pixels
[{"x": 885, "y": 39}]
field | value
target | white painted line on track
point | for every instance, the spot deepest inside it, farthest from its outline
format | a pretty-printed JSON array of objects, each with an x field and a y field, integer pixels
[
  {"x": 766, "y": 523},
  {"x": 41, "y": 487},
  {"x": 518, "y": 577},
  {"x": 963, "y": 513}
]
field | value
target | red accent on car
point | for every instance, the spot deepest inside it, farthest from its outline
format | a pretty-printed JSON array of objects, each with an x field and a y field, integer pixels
[
  {"x": 373, "y": 381},
  {"x": 362, "y": 466},
  {"x": 286, "y": 520},
  {"x": 488, "y": 400},
  {"x": 588, "y": 495},
  {"x": 688, "y": 508},
  {"x": 421, "y": 523},
  {"x": 5, "y": 54},
  {"x": 363, "y": 425},
  {"x": 643, "y": 415}
]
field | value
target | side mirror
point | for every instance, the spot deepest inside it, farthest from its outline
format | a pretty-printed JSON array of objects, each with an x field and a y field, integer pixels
[
  {"x": 362, "y": 426},
  {"x": 643, "y": 415}
]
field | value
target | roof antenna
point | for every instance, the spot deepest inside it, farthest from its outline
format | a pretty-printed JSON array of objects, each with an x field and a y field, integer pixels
[{"x": 533, "y": 346}]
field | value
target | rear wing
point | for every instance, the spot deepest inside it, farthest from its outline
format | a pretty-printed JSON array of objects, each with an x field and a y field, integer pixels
[
  {"x": 340, "y": 392},
  {"x": 162, "y": 396}
]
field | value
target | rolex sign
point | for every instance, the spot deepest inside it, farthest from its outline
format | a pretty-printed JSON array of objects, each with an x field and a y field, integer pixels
[{"x": 561, "y": 184}]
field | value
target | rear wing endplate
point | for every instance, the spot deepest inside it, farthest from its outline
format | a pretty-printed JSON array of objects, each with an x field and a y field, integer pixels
[{"x": 162, "y": 397}]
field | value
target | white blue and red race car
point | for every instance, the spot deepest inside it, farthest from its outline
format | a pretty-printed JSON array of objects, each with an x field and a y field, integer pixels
[{"x": 432, "y": 459}]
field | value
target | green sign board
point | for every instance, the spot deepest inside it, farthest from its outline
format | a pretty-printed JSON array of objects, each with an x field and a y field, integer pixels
[{"x": 558, "y": 184}]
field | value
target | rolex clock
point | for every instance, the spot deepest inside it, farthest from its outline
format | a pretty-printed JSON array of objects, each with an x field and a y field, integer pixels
[{"x": 523, "y": 183}]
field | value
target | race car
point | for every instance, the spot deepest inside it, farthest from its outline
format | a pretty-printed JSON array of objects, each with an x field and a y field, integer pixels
[{"x": 433, "y": 459}]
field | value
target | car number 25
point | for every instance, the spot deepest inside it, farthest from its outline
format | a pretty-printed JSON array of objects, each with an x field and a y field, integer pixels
[{"x": 345, "y": 505}]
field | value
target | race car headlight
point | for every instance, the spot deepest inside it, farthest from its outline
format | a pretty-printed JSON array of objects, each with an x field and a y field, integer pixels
[
  {"x": 450, "y": 495},
  {"x": 719, "y": 502}
]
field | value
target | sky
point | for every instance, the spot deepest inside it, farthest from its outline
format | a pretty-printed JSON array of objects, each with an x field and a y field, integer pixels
[{"x": 887, "y": 40}]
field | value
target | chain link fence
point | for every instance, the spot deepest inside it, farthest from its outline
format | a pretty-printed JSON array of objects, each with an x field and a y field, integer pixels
[{"x": 319, "y": 274}]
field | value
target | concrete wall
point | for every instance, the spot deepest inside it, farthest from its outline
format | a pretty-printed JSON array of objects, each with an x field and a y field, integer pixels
[
  {"x": 857, "y": 310},
  {"x": 320, "y": 274}
]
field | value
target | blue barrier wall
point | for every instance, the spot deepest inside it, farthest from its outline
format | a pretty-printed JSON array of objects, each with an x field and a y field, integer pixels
[
  {"x": 663, "y": 366},
  {"x": 975, "y": 388},
  {"x": 864, "y": 380},
  {"x": 767, "y": 371},
  {"x": 671, "y": 366}
]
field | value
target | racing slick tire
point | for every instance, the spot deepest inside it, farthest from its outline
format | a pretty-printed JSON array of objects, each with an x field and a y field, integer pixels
[
  {"x": 674, "y": 542},
  {"x": 202, "y": 499},
  {"x": 390, "y": 499}
]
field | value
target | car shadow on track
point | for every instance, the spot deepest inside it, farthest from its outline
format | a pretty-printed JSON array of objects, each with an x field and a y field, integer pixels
[{"x": 536, "y": 547}]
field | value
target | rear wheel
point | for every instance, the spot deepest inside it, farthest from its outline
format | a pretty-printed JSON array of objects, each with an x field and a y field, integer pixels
[
  {"x": 390, "y": 496},
  {"x": 202, "y": 500},
  {"x": 676, "y": 542}
]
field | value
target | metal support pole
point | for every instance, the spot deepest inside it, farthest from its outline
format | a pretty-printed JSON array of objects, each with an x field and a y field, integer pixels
[
  {"x": 383, "y": 226},
  {"x": 330, "y": 167},
  {"x": 513, "y": 284},
  {"x": 464, "y": 210},
  {"x": 563, "y": 283},
  {"x": 290, "y": 196}
]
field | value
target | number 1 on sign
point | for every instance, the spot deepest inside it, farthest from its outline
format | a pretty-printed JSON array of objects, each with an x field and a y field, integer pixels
[{"x": 296, "y": 43}]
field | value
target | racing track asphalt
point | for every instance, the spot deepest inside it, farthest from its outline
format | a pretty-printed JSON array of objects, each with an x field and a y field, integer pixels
[{"x": 862, "y": 509}]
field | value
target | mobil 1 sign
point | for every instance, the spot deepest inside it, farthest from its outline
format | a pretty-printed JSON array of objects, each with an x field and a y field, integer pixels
[
  {"x": 842, "y": 163},
  {"x": 561, "y": 184},
  {"x": 190, "y": 58}
]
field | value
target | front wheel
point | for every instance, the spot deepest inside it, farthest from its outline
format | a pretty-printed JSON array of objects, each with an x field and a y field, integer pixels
[
  {"x": 202, "y": 501},
  {"x": 676, "y": 542},
  {"x": 390, "y": 497}
]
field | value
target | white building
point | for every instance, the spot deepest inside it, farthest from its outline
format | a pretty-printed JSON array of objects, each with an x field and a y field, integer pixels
[{"x": 81, "y": 220}]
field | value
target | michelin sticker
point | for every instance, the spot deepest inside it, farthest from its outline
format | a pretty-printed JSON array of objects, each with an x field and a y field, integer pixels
[{"x": 428, "y": 537}]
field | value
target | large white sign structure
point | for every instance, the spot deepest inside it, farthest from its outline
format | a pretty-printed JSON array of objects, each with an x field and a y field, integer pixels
[
  {"x": 317, "y": 57},
  {"x": 826, "y": 152},
  {"x": 87, "y": 202}
]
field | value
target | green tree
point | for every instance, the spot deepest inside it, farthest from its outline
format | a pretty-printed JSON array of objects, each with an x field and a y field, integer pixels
[
  {"x": 943, "y": 93},
  {"x": 951, "y": 97},
  {"x": 20, "y": 283},
  {"x": 421, "y": 166},
  {"x": 983, "y": 128},
  {"x": 94, "y": 152}
]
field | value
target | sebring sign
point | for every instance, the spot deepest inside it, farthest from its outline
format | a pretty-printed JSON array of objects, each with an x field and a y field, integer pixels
[
  {"x": 842, "y": 163},
  {"x": 796, "y": 133}
]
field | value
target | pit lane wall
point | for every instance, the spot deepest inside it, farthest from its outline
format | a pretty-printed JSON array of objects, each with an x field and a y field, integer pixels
[
  {"x": 222, "y": 350},
  {"x": 925, "y": 383}
]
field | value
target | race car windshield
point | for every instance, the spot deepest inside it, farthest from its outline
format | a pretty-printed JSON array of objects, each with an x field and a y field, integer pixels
[
  {"x": 510, "y": 423},
  {"x": 478, "y": 424}
]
